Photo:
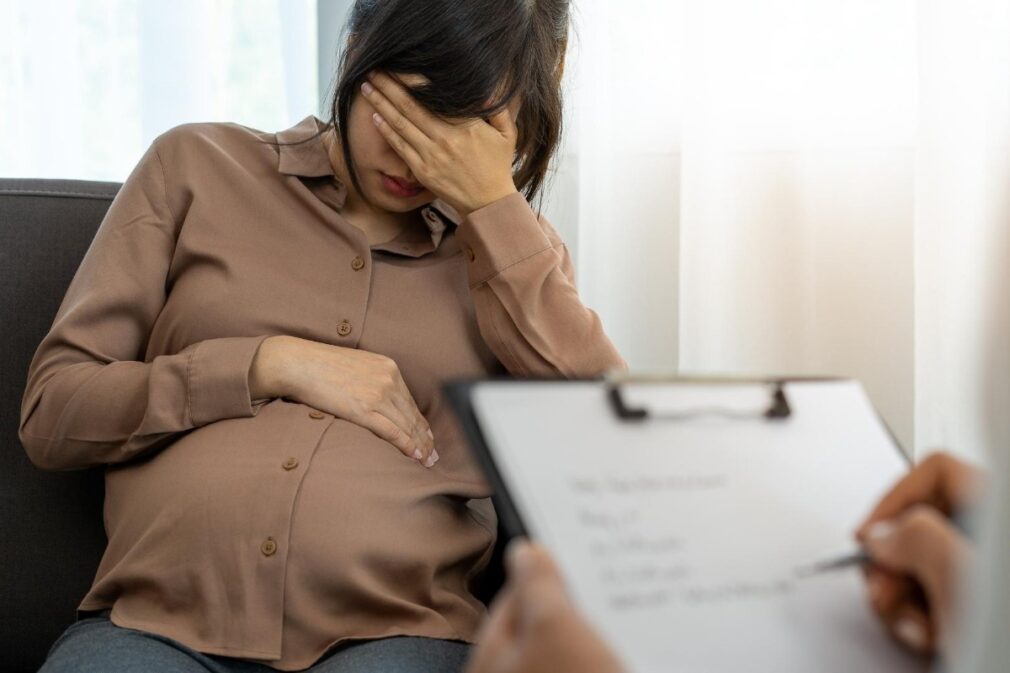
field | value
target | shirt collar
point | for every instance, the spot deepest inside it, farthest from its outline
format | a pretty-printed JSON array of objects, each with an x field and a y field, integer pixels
[{"x": 310, "y": 160}]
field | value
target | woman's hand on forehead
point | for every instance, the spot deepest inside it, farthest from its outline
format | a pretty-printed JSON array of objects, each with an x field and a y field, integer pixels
[
  {"x": 466, "y": 163},
  {"x": 411, "y": 81}
]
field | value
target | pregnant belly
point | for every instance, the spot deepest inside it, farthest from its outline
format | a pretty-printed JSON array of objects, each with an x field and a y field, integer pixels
[
  {"x": 362, "y": 527},
  {"x": 375, "y": 530}
]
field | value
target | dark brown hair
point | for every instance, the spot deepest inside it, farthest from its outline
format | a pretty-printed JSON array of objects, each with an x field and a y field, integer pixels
[{"x": 477, "y": 55}]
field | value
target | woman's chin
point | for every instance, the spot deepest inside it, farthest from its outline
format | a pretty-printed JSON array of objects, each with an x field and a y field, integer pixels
[{"x": 397, "y": 204}]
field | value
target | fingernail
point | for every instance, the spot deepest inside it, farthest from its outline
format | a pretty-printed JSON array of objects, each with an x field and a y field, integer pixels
[
  {"x": 520, "y": 557},
  {"x": 911, "y": 633},
  {"x": 417, "y": 454},
  {"x": 377, "y": 118},
  {"x": 435, "y": 454},
  {"x": 367, "y": 88},
  {"x": 430, "y": 435},
  {"x": 880, "y": 531},
  {"x": 431, "y": 460}
]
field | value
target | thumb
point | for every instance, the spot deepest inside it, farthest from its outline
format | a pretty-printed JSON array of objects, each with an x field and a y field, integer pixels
[{"x": 540, "y": 593}]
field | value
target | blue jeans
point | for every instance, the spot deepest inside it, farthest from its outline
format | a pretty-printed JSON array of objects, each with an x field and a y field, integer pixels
[{"x": 96, "y": 645}]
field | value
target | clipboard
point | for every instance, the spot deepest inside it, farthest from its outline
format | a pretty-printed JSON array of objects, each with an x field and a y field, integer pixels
[
  {"x": 460, "y": 395},
  {"x": 609, "y": 410}
]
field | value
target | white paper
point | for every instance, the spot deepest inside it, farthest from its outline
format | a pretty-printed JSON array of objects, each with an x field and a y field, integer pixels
[{"x": 680, "y": 539}]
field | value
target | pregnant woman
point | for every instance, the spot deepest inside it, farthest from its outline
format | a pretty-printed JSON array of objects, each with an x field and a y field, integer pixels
[{"x": 253, "y": 346}]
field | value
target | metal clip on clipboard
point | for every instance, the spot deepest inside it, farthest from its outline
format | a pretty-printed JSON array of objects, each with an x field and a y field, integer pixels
[{"x": 778, "y": 405}]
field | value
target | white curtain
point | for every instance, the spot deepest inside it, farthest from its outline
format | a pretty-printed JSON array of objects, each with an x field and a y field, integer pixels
[
  {"x": 86, "y": 86},
  {"x": 801, "y": 187}
]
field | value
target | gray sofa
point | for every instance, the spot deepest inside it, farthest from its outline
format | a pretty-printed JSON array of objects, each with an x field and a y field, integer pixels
[{"x": 52, "y": 521}]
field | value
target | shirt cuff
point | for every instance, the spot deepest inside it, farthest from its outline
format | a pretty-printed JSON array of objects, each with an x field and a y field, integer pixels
[
  {"x": 219, "y": 379},
  {"x": 500, "y": 235}
]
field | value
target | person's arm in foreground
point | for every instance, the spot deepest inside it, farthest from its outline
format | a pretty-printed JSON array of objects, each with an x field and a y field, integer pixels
[
  {"x": 533, "y": 626},
  {"x": 913, "y": 544}
]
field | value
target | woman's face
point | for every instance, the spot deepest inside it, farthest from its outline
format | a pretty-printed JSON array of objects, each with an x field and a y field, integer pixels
[{"x": 386, "y": 180}]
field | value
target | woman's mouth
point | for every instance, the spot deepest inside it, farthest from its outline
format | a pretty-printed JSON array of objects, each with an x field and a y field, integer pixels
[{"x": 401, "y": 188}]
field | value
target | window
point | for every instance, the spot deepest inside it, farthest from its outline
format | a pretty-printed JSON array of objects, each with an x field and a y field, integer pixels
[{"x": 86, "y": 86}]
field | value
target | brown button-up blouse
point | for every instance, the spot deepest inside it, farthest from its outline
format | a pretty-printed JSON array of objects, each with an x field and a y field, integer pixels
[{"x": 265, "y": 529}]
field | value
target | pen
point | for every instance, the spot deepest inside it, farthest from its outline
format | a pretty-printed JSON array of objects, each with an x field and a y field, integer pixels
[{"x": 860, "y": 557}]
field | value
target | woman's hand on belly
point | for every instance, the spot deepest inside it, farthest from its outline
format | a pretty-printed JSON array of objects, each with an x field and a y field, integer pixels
[{"x": 358, "y": 386}]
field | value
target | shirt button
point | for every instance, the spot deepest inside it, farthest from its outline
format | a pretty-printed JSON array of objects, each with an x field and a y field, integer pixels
[
  {"x": 290, "y": 464},
  {"x": 344, "y": 328},
  {"x": 357, "y": 264},
  {"x": 316, "y": 414},
  {"x": 469, "y": 253},
  {"x": 268, "y": 547}
]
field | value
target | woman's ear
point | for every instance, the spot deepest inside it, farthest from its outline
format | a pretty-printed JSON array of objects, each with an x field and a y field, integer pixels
[{"x": 514, "y": 106}]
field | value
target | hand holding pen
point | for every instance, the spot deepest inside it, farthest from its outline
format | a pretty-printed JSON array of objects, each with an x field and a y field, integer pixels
[
  {"x": 916, "y": 538},
  {"x": 915, "y": 548}
]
